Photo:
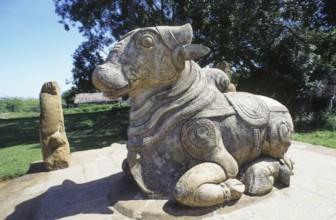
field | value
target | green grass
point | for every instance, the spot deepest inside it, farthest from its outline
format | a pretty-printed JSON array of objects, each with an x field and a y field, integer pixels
[
  {"x": 322, "y": 138},
  {"x": 97, "y": 129},
  {"x": 83, "y": 108},
  {"x": 7, "y": 115},
  {"x": 15, "y": 160},
  {"x": 19, "y": 137}
]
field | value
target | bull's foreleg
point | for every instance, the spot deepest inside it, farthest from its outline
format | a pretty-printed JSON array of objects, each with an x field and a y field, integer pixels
[
  {"x": 205, "y": 185},
  {"x": 202, "y": 139}
]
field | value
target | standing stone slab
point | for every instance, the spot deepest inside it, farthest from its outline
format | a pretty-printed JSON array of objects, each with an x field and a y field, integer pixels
[{"x": 54, "y": 142}]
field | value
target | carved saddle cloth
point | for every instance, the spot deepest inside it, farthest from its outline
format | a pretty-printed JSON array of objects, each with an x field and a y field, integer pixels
[{"x": 252, "y": 109}]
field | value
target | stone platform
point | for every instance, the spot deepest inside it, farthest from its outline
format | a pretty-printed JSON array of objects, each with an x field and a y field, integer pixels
[{"x": 94, "y": 187}]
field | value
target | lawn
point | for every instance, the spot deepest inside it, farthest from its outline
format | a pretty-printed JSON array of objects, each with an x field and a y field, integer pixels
[
  {"x": 19, "y": 138},
  {"x": 15, "y": 160},
  {"x": 322, "y": 138}
]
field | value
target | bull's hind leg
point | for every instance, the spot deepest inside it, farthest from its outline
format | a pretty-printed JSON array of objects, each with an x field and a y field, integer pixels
[
  {"x": 205, "y": 185},
  {"x": 260, "y": 176}
]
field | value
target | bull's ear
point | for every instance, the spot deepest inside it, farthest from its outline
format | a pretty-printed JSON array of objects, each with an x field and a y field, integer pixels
[{"x": 193, "y": 51}]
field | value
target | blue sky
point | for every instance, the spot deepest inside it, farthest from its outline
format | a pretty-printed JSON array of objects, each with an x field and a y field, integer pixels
[{"x": 34, "y": 48}]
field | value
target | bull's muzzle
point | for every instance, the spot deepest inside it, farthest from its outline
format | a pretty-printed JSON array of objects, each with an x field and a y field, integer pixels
[{"x": 110, "y": 80}]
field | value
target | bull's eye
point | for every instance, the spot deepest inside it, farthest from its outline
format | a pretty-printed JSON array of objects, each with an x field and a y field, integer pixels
[{"x": 147, "y": 41}]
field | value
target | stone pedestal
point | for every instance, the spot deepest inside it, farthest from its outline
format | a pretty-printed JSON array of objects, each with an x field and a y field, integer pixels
[{"x": 94, "y": 187}]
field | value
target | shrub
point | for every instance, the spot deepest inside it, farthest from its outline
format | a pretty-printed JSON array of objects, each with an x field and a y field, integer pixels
[
  {"x": 324, "y": 120},
  {"x": 329, "y": 117},
  {"x": 15, "y": 104}
]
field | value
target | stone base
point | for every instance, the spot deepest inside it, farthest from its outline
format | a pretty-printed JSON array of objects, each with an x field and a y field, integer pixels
[
  {"x": 94, "y": 187},
  {"x": 127, "y": 199}
]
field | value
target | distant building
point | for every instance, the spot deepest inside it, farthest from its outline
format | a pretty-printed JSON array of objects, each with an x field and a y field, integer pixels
[{"x": 94, "y": 98}]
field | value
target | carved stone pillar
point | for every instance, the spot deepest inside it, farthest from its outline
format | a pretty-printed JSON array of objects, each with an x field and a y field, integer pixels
[{"x": 54, "y": 142}]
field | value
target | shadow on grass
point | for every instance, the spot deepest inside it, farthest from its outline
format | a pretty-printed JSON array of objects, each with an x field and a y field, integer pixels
[
  {"x": 96, "y": 130},
  {"x": 84, "y": 130},
  {"x": 19, "y": 131}
]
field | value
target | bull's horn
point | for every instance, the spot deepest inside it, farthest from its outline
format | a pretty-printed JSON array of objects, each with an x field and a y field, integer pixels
[
  {"x": 194, "y": 51},
  {"x": 188, "y": 52}
]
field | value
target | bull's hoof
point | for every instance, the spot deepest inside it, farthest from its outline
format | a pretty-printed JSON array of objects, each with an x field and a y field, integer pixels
[
  {"x": 288, "y": 162},
  {"x": 233, "y": 189},
  {"x": 284, "y": 175},
  {"x": 209, "y": 194}
]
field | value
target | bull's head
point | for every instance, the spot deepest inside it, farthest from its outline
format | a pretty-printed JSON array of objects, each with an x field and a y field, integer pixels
[{"x": 146, "y": 58}]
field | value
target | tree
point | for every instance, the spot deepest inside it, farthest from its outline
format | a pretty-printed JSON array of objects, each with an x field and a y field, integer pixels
[
  {"x": 101, "y": 23},
  {"x": 275, "y": 48},
  {"x": 270, "y": 44}
]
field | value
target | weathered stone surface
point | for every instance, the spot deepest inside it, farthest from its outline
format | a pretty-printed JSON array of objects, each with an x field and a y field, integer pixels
[
  {"x": 260, "y": 176},
  {"x": 188, "y": 137},
  {"x": 94, "y": 187},
  {"x": 224, "y": 66},
  {"x": 54, "y": 142}
]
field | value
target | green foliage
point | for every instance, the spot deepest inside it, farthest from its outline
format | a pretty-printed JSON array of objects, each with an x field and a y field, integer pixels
[
  {"x": 267, "y": 43},
  {"x": 15, "y": 104},
  {"x": 276, "y": 48},
  {"x": 316, "y": 121},
  {"x": 19, "y": 108},
  {"x": 325, "y": 43},
  {"x": 69, "y": 96},
  {"x": 329, "y": 12}
]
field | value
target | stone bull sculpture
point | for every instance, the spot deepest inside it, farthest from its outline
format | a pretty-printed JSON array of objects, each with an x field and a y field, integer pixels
[{"x": 188, "y": 139}]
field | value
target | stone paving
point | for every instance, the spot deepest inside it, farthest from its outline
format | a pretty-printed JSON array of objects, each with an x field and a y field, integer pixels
[{"x": 94, "y": 187}]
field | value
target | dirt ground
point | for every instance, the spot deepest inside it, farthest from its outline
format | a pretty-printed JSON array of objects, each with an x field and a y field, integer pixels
[{"x": 3, "y": 183}]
